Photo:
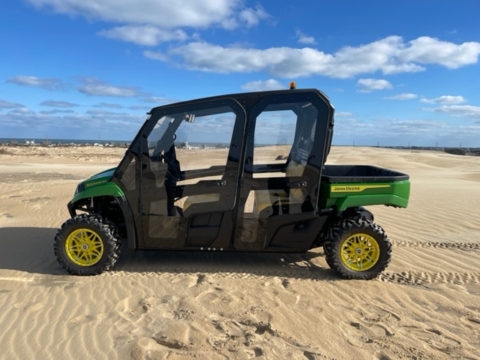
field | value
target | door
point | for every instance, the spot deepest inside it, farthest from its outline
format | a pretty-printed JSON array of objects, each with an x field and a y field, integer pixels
[
  {"x": 284, "y": 157},
  {"x": 189, "y": 173}
]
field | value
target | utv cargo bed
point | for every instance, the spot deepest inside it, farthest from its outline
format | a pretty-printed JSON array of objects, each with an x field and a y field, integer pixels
[
  {"x": 345, "y": 186},
  {"x": 360, "y": 173}
]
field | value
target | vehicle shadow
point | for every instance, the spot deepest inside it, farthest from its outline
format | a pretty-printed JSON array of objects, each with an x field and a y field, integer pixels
[
  {"x": 29, "y": 249},
  {"x": 310, "y": 265}
]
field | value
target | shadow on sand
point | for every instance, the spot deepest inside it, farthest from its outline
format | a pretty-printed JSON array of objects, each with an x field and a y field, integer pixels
[{"x": 31, "y": 250}]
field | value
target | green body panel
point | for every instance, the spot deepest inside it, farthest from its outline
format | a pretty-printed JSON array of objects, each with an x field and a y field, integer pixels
[
  {"x": 347, "y": 195},
  {"x": 97, "y": 185}
]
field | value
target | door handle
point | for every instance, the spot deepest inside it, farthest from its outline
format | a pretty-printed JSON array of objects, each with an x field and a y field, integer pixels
[
  {"x": 297, "y": 184},
  {"x": 218, "y": 183}
]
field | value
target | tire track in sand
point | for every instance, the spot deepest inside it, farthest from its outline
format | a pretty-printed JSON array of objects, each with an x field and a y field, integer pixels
[
  {"x": 423, "y": 278},
  {"x": 438, "y": 245}
]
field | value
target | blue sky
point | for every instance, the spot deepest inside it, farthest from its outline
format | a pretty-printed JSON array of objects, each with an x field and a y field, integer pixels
[{"x": 397, "y": 72}]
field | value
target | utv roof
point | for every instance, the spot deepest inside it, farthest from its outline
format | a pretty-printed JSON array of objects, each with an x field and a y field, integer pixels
[{"x": 241, "y": 97}]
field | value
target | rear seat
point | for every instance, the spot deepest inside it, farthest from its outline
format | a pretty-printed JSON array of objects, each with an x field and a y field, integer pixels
[
  {"x": 265, "y": 199},
  {"x": 200, "y": 199}
]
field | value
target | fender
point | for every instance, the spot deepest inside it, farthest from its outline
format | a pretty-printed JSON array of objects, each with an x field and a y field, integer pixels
[
  {"x": 129, "y": 222},
  {"x": 127, "y": 215},
  {"x": 360, "y": 212}
]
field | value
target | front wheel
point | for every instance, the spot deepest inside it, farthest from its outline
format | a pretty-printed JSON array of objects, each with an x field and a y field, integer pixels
[
  {"x": 357, "y": 249},
  {"x": 87, "y": 245}
]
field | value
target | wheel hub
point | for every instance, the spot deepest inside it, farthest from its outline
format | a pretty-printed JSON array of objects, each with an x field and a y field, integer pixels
[
  {"x": 360, "y": 252},
  {"x": 84, "y": 247}
]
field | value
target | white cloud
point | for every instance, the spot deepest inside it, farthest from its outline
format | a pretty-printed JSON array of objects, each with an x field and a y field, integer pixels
[
  {"x": 445, "y": 99},
  {"x": 60, "y": 104},
  {"x": 260, "y": 85},
  {"x": 55, "y": 111},
  {"x": 390, "y": 55},
  {"x": 469, "y": 111},
  {"x": 144, "y": 35},
  {"x": 44, "y": 83},
  {"x": 159, "y": 100},
  {"x": 427, "y": 50},
  {"x": 304, "y": 38},
  {"x": 155, "y": 55},
  {"x": 103, "y": 113},
  {"x": 252, "y": 17},
  {"x": 404, "y": 96},
  {"x": 93, "y": 86},
  {"x": 343, "y": 114},
  {"x": 414, "y": 126},
  {"x": 109, "y": 105},
  {"x": 21, "y": 111},
  {"x": 164, "y": 14},
  {"x": 9, "y": 105},
  {"x": 139, "y": 107},
  {"x": 368, "y": 85},
  {"x": 285, "y": 62}
]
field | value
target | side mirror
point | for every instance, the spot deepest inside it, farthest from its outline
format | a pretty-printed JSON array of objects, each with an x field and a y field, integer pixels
[{"x": 190, "y": 118}]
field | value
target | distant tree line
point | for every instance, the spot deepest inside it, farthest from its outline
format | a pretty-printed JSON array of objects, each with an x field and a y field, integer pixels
[{"x": 455, "y": 151}]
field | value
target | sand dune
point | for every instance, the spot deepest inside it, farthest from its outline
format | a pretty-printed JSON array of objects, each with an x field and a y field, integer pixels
[{"x": 180, "y": 305}]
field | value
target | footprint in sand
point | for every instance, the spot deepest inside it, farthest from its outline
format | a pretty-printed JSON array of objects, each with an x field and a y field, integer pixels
[
  {"x": 146, "y": 347},
  {"x": 83, "y": 319},
  {"x": 25, "y": 306},
  {"x": 354, "y": 333},
  {"x": 254, "y": 353},
  {"x": 190, "y": 281},
  {"x": 382, "y": 330},
  {"x": 133, "y": 308},
  {"x": 435, "y": 339},
  {"x": 209, "y": 296}
]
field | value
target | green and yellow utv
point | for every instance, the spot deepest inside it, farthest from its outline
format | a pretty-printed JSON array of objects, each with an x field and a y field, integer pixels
[{"x": 240, "y": 172}]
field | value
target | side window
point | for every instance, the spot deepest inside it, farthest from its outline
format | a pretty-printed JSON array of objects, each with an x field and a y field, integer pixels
[
  {"x": 201, "y": 138},
  {"x": 285, "y": 133},
  {"x": 158, "y": 134},
  {"x": 208, "y": 139},
  {"x": 274, "y": 135}
]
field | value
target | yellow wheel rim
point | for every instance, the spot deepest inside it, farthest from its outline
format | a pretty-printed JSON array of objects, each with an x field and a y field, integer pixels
[
  {"x": 360, "y": 252},
  {"x": 84, "y": 247}
]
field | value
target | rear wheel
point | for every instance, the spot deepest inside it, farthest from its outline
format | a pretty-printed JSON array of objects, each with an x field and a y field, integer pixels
[
  {"x": 87, "y": 245},
  {"x": 357, "y": 249}
]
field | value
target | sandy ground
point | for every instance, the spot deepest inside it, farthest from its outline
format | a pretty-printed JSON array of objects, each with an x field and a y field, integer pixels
[{"x": 159, "y": 305}]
